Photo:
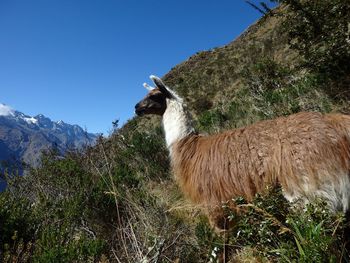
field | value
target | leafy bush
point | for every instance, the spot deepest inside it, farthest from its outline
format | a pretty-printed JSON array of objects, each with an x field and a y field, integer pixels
[
  {"x": 276, "y": 90},
  {"x": 266, "y": 75},
  {"x": 272, "y": 230},
  {"x": 209, "y": 121},
  {"x": 56, "y": 244},
  {"x": 319, "y": 30},
  {"x": 282, "y": 233},
  {"x": 17, "y": 228}
]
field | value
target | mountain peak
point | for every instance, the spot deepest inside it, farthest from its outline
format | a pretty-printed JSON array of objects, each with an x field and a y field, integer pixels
[
  {"x": 6, "y": 110},
  {"x": 25, "y": 137},
  {"x": 30, "y": 120}
]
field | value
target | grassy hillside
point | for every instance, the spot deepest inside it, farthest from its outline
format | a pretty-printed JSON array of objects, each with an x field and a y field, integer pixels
[{"x": 117, "y": 201}]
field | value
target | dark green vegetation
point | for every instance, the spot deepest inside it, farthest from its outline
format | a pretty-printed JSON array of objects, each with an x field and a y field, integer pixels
[{"x": 117, "y": 202}]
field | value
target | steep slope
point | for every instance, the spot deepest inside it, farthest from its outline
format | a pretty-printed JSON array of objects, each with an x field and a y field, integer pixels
[
  {"x": 213, "y": 75},
  {"x": 211, "y": 79}
]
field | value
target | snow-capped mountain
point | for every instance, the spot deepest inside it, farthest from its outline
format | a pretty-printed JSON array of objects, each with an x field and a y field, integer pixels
[{"x": 24, "y": 137}]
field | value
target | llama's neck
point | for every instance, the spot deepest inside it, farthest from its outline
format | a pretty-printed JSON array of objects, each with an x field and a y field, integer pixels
[{"x": 177, "y": 122}]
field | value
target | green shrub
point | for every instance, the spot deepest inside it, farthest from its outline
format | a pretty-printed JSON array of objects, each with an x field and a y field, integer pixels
[
  {"x": 275, "y": 90},
  {"x": 208, "y": 240},
  {"x": 211, "y": 121},
  {"x": 266, "y": 75},
  {"x": 17, "y": 228},
  {"x": 319, "y": 30},
  {"x": 58, "y": 244},
  {"x": 278, "y": 232}
]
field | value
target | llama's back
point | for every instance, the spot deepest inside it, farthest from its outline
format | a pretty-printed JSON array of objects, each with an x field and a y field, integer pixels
[
  {"x": 316, "y": 158},
  {"x": 306, "y": 153}
]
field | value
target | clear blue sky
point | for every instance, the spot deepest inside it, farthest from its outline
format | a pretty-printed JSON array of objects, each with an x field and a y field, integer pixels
[{"x": 84, "y": 61}]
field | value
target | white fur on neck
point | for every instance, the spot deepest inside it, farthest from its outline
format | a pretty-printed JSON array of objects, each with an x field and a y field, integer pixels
[{"x": 177, "y": 122}]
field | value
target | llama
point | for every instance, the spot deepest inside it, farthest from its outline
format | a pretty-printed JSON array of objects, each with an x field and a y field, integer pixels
[{"x": 307, "y": 154}]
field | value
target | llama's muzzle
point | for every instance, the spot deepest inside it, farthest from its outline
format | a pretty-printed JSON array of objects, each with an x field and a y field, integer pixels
[{"x": 139, "y": 110}]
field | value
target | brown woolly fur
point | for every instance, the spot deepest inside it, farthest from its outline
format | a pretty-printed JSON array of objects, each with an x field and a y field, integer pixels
[{"x": 305, "y": 153}]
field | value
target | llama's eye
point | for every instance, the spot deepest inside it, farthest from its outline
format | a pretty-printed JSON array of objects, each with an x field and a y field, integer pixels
[{"x": 156, "y": 98}]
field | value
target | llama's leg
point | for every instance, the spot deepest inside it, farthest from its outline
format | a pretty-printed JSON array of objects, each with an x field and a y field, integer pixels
[
  {"x": 219, "y": 220},
  {"x": 221, "y": 224}
]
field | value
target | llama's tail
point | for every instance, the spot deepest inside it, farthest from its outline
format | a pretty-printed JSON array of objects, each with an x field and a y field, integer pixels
[{"x": 341, "y": 123}]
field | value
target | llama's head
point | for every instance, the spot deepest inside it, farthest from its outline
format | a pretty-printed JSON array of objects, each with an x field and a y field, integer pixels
[{"x": 155, "y": 101}]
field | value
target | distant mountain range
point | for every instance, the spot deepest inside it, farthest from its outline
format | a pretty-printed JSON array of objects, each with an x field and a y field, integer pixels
[{"x": 24, "y": 137}]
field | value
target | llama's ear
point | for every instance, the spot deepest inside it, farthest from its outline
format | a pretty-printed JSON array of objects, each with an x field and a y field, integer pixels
[
  {"x": 161, "y": 86},
  {"x": 147, "y": 87}
]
